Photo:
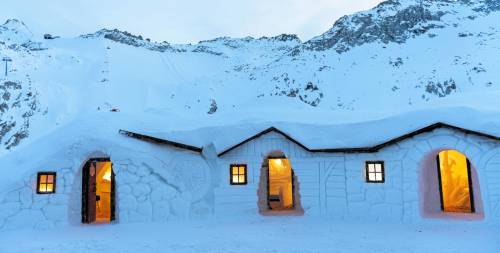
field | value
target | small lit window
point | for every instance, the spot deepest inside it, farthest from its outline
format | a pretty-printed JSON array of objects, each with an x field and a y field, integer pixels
[
  {"x": 375, "y": 172},
  {"x": 46, "y": 183},
  {"x": 238, "y": 174}
]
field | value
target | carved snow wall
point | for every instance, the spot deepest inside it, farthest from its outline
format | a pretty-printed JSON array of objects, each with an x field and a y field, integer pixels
[
  {"x": 321, "y": 178},
  {"x": 160, "y": 183},
  {"x": 334, "y": 184},
  {"x": 152, "y": 184}
]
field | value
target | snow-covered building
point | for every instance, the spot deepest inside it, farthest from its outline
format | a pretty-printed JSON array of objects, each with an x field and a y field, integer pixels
[
  {"x": 437, "y": 171},
  {"x": 339, "y": 155}
]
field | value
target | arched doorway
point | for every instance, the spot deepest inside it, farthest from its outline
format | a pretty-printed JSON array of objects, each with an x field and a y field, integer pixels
[
  {"x": 278, "y": 187},
  {"x": 98, "y": 191},
  {"x": 455, "y": 182},
  {"x": 449, "y": 186},
  {"x": 280, "y": 184}
]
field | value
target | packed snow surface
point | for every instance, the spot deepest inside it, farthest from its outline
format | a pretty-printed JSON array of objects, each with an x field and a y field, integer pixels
[{"x": 258, "y": 234}]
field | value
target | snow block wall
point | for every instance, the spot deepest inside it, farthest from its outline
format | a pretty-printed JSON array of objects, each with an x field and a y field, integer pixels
[
  {"x": 321, "y": 178},
  {"x": 159, "y": 183},
  {"x": 334, "y": 184},
  {"x": 165, "y": 185}
]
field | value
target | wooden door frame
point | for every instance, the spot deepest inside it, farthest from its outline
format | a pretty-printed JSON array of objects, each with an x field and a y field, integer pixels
[{"x": 85, "y": 177}]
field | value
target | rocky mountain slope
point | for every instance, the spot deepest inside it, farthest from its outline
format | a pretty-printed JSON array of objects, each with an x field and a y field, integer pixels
[{"x": 402, "y": 55}]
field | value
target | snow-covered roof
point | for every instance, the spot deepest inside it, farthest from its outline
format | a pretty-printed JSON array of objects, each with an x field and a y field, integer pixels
[{"x": 367, "y": 136}]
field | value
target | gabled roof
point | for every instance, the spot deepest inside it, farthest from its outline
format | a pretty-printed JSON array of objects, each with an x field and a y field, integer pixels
[
  {"x": 370, "y": 149},
  {"x": 160, "y": 141},
  {"x": 367, "y": 149}
]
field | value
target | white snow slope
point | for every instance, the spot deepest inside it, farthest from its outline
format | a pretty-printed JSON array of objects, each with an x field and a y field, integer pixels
[{"x": 398, "y": 57}]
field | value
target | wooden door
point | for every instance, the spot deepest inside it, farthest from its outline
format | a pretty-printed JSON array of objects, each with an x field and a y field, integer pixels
[
  {"x": 112, "y": 199},
  {"x": 89, "y": 192}
]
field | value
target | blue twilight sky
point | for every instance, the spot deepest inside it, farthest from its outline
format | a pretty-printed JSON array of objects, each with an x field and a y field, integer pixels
[{"x": 182, "y": 21}]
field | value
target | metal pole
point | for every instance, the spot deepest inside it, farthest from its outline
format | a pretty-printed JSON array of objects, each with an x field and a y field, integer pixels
[{"x": 6, "y": 60}]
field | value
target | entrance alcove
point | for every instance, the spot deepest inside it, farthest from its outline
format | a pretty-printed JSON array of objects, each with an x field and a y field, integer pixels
[
  {"x": 278, "y": 192},
  {"x": 449, "y": 186},
  {"x": 98, "y": 191}
]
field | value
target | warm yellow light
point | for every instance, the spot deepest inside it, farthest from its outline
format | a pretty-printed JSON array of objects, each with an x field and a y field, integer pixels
[
  {"x": 280, "y": 183},
  {"x": 46, "y": 183},
  {"x": 107, "y": 176},
  {"x": 454, "y": 181},
  {"x": 278, "y": 162},
  {"x": 103, "y": 190}
]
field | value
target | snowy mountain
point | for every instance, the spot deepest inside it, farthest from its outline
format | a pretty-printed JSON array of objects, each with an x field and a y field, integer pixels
[{"x": 402, "y": 55}]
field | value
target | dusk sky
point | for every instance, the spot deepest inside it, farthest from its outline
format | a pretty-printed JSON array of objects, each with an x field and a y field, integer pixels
[{"x": 185, "y": 21}]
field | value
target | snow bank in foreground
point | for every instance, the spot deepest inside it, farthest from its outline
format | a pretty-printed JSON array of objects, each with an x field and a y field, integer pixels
[{"x": 291, "y": 234}]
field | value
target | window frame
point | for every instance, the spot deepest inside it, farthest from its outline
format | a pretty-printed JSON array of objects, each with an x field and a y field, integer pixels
[
  {"x": 231, "y": 173},
  {"x": 367, "y": 172},
  {"x": 46, "y": 173}
]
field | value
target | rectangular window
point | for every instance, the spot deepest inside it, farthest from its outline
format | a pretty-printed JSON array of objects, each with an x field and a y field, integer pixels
[
  {"x": 46, "y": 183},
  {"x": 375, "y": 172},
  {"x": 238, "y": 174}
]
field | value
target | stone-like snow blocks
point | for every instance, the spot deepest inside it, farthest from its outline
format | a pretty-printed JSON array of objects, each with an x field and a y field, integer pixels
[{"x": 143, "y": 193}]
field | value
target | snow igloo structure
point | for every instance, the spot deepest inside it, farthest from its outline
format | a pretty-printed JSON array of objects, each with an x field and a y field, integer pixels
[{"x": 438, "y": 171}]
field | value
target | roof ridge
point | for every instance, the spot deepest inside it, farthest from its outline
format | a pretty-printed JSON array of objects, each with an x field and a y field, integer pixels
[
  {"x": 160, "y": 141},
  {"x": 368, "y": 149}
]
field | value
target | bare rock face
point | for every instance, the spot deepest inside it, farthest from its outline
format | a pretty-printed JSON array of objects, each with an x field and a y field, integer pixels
[
  {"x": 441, "y": 89},
  {"x": 17, "y": 105},
  {"x": 391, "y": 21},
  {"x": 385, "y": 24},
  {"x": 489, "y": 6},
  {"x": 127, "y": 38},
  {"x": 213, "y": 107},
  {"x": 308, "y": 93}
]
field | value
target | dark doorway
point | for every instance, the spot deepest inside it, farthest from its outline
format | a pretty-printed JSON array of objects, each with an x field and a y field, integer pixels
[{"x": 98, "y": 191}]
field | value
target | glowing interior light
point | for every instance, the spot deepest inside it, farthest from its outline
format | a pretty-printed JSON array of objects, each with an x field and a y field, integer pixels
[
  {"x": 104, "y": 191},
  {"x": 46, "y": 183},
  {"x": 278, "y": 162},
  {"x": 455, "y": 190},
  {"x": 107, "y": 176},
  {"x": 280, "y": 184}
]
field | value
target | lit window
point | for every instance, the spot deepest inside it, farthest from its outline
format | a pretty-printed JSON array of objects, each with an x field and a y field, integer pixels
[
  {"x": 375, "y": 172},
  {"x": 46, "y": 182},
  {"x": 238, "y": 174}
]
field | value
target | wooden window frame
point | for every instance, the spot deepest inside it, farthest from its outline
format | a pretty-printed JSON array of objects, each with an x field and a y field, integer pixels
[
  {"x": 231, "y": 174},
  {"x": 46, "y": 173},
  {"x": 382, "y": 172},
  {"x": 86, "y": 218}
]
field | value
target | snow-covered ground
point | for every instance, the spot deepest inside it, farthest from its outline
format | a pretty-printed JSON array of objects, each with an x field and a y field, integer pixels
[
  {"x": 394, "y": 69},
  {"x": 258, "y": 234}
]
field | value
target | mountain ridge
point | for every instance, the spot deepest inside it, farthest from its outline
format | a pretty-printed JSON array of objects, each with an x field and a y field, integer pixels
[{"x": 394, "y": 57}]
